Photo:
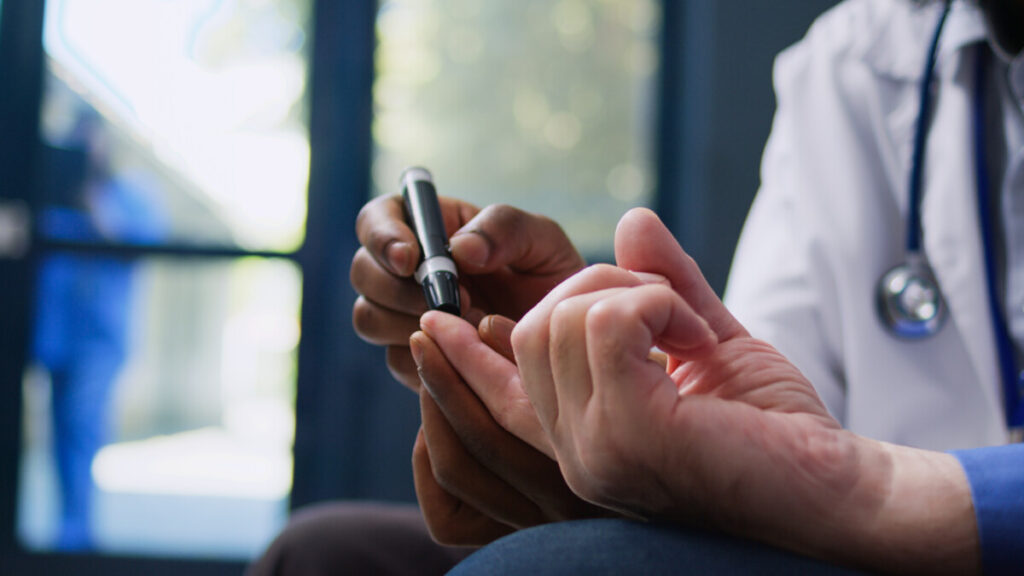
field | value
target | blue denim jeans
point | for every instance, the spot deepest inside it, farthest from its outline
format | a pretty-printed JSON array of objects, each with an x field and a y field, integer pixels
[{"x": 613, "y": 546}]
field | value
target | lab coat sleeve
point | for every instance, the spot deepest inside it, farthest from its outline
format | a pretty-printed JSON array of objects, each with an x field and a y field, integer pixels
[
  {"x": 996, "y": 477},
  {"x": 780, "y": 286}
]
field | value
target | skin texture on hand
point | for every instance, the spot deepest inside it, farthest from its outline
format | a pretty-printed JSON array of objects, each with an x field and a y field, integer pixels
[
  {"x": 732, "y": 436},
  {"x": 507, "y": 260},
  {"x": 476, "y": 481}
]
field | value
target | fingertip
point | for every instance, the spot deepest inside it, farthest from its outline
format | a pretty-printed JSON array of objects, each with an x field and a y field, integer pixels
[
  {"x": 642, "y": 212},
  {"x": 637, "y": 217},
  {"x": 435, "y": 322},
  {"x": 429, "y": 320},
  {"x": 498, "y": 326},
  {"x": 401, "y": 257},
  {"x": 470, "y": 249},
  {"x": 496, "y": 331},
  {"x": 416, "y": 347}
]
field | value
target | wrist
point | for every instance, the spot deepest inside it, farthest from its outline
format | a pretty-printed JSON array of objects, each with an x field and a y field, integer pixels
[{"x": 913, "y": 513}]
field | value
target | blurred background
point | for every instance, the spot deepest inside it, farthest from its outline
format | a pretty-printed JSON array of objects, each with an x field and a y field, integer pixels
[{"x": 178, "y": 187}]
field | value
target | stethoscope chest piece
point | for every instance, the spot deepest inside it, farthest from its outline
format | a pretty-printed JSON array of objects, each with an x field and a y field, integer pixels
[{"x": 910, "y": 303}]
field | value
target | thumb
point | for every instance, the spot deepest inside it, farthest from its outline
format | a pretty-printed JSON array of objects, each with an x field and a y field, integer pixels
[
  {"x": 644, "y": 244},
  {"x": 501, "y": 236}
]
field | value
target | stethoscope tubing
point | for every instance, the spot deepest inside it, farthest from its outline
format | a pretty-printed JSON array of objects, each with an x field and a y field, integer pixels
[
  {"x": 920, "y": 137},
  {"x": 916, "y": 261},
  {"x": 1006, "y": 352}
]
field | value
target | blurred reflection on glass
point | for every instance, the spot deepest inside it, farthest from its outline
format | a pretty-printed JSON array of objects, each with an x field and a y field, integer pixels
[
  {"x": 207, "y": 96},
  {"x": 83, "y": 304},
  {"x": 543, "y": 104},
  {"x": 193, "y": 378}
]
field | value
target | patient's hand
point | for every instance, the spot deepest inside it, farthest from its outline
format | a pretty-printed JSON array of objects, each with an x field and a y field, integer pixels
[{"x": 733, "y": 436}]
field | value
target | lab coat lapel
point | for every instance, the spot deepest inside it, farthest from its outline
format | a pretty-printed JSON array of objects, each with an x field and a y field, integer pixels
[{"x": 952, "y": 237}]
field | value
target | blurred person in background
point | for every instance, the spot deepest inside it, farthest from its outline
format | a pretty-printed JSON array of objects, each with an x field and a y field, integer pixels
[{"x": 84, "y": 303}]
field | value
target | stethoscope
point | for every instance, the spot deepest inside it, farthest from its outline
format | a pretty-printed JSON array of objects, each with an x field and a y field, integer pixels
[{"x": 910, "y": 302}]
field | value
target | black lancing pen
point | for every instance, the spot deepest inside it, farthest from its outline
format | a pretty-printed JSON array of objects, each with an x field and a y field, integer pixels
[{"x": 436, "y": 271}]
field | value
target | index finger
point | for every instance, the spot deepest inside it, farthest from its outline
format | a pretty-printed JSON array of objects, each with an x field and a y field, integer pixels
[
  {"x": 643, "y": 243},
  {"x": 493, "y": 377},
  {"x": 381, "y": 227}
]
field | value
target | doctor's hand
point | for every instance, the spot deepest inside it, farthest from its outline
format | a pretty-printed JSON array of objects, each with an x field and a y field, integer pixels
[
  {"x": 507, "y": 260},
  {"x": 732, "y": 435},
  {"x": 474, "y": 479}
]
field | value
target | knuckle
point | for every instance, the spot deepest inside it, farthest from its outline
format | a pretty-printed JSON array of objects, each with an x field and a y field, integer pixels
[
  {"x": 484, "y": 447},
  {"x": 524, "y": 417},
  {"x": 367, "y": 214},
  {"x": 359, "y": 270},
  {"x": 564, "y": 311},
  {"x": 364, "y": 319},
  {"x": 603, "y": 316},
  {"x": 514, "y": 416},
  {"x": 598, "y": 271},
  {"x": 362, "y": 216},
  {"x": 506, "y": 420},
  {"x": 379, "y": 223},
  {"x": 402, "y": 368},
  {"x": 504, "y": 213},
  {"x": 602, "y": 268},
  {"x": 444, "y": 531},
  {"x": 419, "y": 451},
  {"x": 521, "y": 336},
  {"x": 446, "y": 470}
]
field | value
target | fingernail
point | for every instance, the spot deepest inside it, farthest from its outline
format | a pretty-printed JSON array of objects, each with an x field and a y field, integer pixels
[
  {"x": 496, "y": 332},
  {"x": 500, "y": 326},
  {"x": 470, "y": 247},
  {"x": 399, "y": 255},
  {"x": 417, "y": 356},
  {"x": 417, "y": 351},
  {"x": 651, "y": 278}
]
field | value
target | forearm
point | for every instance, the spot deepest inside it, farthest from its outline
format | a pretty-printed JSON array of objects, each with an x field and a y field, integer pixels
[{"x": 849, "y": 500}]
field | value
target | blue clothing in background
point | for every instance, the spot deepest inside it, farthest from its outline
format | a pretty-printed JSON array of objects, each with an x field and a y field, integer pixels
[
  {"x": 996, "y": 476},
  {"x": 83, "y": 312}
]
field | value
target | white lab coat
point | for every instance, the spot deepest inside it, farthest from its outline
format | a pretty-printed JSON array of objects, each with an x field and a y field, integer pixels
[{"x": 830, "y": 219}]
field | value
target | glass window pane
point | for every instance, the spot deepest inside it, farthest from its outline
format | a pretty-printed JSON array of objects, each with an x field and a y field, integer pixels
[
  {"x": 546, "y": 105},
  {"x": 159, "y": 406},
  {"x": 181, "y": 122}
]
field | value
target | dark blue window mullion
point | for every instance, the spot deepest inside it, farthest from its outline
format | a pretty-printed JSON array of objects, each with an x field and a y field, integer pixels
[
  {"x": 684, "y": 98},
  {"x": 21, "y": 63},
  {"x": 355, "y": 426}
]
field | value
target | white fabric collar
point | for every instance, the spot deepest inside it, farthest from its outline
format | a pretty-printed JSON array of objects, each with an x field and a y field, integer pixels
[{"x": 910, "y": 24}]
